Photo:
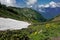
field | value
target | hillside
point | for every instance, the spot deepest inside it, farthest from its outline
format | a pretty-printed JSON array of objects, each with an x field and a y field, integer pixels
[
  {"x": 23, "y": 14},
  {"x": 57, "y": 18}
]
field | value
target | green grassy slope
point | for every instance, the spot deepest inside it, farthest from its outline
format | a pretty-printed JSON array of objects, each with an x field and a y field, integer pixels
[{"x": 45, "y": 31}]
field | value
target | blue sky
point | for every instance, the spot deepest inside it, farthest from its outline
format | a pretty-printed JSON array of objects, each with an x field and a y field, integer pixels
[
  {"x": 25, "y": 2},
  {"x": 22, "y": 2},
  {"x": 39, "y": 1}
]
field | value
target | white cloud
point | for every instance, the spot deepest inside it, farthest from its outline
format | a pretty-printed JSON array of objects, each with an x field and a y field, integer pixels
[
  {"x": 30, "y": 2},
  {"x": 42, "y": 6},
  {"x": 46, "y": 5},
  {"x": 8, "y": 2},
  {"x": 41, "y": 10},
  {"x": 51, "y": 4}
]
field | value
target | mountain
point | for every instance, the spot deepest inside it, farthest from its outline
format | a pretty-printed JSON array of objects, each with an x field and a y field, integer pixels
[
  {"x": 49, "y": 10},
  {"x": 23, "y": 14}
]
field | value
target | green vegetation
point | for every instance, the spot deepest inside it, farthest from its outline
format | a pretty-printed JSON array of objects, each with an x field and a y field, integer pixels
[
  {"x": 34, "y": 32},
  {"x": 45, "y": 31},
  {"x": 39, "y": 30}
]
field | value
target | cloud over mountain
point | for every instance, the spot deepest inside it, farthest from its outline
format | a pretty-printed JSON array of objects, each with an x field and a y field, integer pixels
[{"x": 51, "y": 4}]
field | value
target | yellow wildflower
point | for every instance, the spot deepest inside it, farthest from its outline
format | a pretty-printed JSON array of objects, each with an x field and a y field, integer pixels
[
  {"x": 35, "y": 33},
  {"x": 47, "y": 25}
]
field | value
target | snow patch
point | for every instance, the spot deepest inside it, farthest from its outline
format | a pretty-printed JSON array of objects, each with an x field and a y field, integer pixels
[{"x": 11, "y": 24}]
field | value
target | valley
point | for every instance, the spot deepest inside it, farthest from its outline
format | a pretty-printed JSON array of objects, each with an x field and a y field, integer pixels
[{"x": 26, "y": 24}]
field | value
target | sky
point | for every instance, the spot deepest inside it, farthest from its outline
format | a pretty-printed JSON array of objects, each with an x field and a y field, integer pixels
[{"x": 25, "y": 3}]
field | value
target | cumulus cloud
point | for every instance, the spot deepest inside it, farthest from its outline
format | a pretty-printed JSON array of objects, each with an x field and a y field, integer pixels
[
  {"x": 8, "y": 2},
  {"x": 51, "y": 4},
  {"x": 30, "y": 2}
]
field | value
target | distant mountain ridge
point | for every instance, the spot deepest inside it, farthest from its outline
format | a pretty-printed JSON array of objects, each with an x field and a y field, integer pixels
[{"x": 49, "y": 10}]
